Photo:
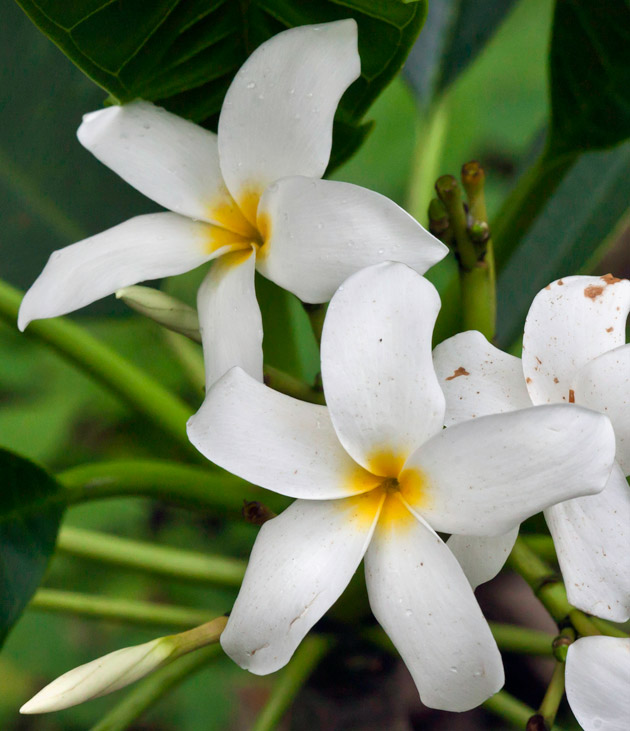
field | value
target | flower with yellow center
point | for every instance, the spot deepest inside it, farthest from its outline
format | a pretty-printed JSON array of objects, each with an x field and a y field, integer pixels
[
  {"x": 251, "y": 197},
  {"x": 376, "y": 475},
  {"x": 574, "y": 351}
]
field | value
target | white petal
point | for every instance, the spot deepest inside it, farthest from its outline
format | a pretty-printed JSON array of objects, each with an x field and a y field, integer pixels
[
  {"x": 421, "y": 597},
  {"x": 146, "y": 247},
  {"x": 319, "y": 232},
  {"x": 380, "y": 386},
  {"x": 482, "y": 557},
  {"x": 598, "y": 682},
  {"x": 569, "y": 323},
  {"x": 229, "y": 317},
  {"x": 101, "y": 676},
  {"x": 485, "y": 476},
  {"x": 603, "y": 384},
  {"x": 300, "y": 564},
  {"x": 592, "y": 539},
  {"x": 277, "y": 116},
  {"x": 169, "y": 159},
  {"x": 477, "y": 378},
  {"x": 275, "y": 441}
]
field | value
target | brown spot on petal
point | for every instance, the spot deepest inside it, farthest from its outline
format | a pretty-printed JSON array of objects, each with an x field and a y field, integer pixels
[
  {"x": 609, "y": 329},
  {"x": 609, "y": 279},
  {"x": 560, "y": 282},
  {"x": 548, "y": 286},
  {"x": 539, "y": 361},
  {"x": 461, "y": 371},
  {"x": 593, "y": 291},
  {"x": 555, "y": 380},
  {"x": 528, "y": 380},
  {"x": 571, "y": 396}
]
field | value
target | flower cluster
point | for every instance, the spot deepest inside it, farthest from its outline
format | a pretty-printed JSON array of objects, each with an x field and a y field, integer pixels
[{"x": 376, "y": 476}]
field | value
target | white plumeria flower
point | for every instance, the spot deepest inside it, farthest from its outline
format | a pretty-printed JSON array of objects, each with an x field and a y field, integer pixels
[
  {"x": 376, "y": 475},
  {"x": 573, "y": 351},
  {"x": 251, "y": 195},
  {"x": 598, "y": 682}
]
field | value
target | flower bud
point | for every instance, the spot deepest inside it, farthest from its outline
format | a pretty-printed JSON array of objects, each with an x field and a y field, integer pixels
[{"x": 163, "y": 309}]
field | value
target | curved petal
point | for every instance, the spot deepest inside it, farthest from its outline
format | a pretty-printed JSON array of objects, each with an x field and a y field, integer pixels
[
  {"x": 300, "y": 564},
  {"x": 421, "y": 597},
  {"x": 169, "y": 159},
  {"x": 485, "y": 476},
  {"x": 229, "y": 317},
  {"x": 592, "y": 539},
  {"x": 319, "y": 232},
  {"x": 380, "y": 386},
  {"x": 277, "y": 116},
  {"x": 570, "y": 322},
  {"x": 482, "y": 557},
  {"x": 275, "y": 441},
  {"x": 603, "y": 384},
  {"x": 477, "y": 378},
  {"x": 145, "y": 247},
  {"x": 597, "y": 682}
]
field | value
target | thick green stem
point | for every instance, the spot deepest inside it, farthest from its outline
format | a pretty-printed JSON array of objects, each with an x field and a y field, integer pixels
[
  {"x": 525, "y": 202},
  {"x": 479, "y": 296},
  {"x": 106, "y": 366},
  {"x": 542, "y": 545},
  {"x": 316, "y": 315},
  {"x": 291, "y": 680},
  {"x": 555, "y": 692},
  {"x": 188, "y": 486},
  {"x": 157, "y": 560},
  {"x": 157, "y": 685},
  {"x": 508, "y": 707},
  {"x": 120, "y": 610}
]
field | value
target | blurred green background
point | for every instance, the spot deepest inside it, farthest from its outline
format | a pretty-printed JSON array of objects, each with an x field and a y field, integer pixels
[{"x": 52, "y": 192}]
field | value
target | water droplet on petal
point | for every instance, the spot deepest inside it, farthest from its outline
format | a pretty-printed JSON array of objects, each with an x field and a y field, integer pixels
[
  {"x": 251, "y": 85},
  {"x": 320, "y": 226},
  {"x": 453, "y": 669},
  {"x": 380, "y": 252}
]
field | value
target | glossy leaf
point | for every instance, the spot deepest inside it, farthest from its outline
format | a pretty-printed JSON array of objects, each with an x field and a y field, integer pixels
[
  {"x": 592, "y": 198},
  {"x": 454, "y": 34},
  {"x": 183, "y": 55},
  {"x": 31, "y": 507},
  {"x": 590, "y": 75}
]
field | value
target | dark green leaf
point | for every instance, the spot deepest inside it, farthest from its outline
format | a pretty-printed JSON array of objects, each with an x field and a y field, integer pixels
[
  {"x": 183, "y": 55},
  {"x": 455, "y": 32},
  {"x": 31, "y": 508},
  {"x": 566, "y": 236},
  {"x": 590, "y": 75}
]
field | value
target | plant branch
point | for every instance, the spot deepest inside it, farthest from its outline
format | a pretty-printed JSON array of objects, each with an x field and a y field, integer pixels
[
  {"x": 120, "y": 610},
  {"x": 158, "y": 560},
  {"x": 189, "y": 486},
  {"x": 110, "y": 369},
  {"x": 511, "y": 709}
]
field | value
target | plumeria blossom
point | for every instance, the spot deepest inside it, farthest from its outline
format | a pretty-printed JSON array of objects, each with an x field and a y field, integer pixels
[
  {"x": 250, "y": 197},
  {"x": 574, "y": 351},
  {"x": 376, "y": 475},
  {"x": 598, "y": 682}
]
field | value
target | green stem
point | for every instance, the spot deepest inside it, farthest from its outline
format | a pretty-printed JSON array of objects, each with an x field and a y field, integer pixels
[
  {"x": 120, "y": 610},
  {"x": 291, "y": 386},
  {"x": 525, "y": 202},
  {"x": 293, "y": 677},
  {"x": 609, "y": 629},
  {"x": 158, "y": 560},
  {"x": 157, "y": 685},
  {"x": 316, "y": 315},
  {"x": 478, "y": 296},
  {"x": 190, "y": 358},
  {"x": 106, "y": 366},
  {"x": 555, "y": 692},
  {"x": 188, "y": 486},
  {"x": 542, "y": 545},
  {"x": 508, "y": 707}
]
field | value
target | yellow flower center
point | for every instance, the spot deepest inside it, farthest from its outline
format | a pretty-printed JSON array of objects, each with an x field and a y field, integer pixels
[
  {"x": 235, "y": 224},
  {"x": 387, "y": 487}
]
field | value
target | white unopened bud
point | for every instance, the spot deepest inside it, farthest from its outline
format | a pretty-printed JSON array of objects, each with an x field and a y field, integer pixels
[
  {"x": 120, "y": 668},
  {"x": 163, "y": 309}
]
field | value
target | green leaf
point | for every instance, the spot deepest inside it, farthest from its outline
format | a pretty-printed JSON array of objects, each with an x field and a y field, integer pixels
[
  {"x": 590, "y": 75},
  {"x": 31, "y": 507},
  {"x": 454, "y": 34},
  {"x": 567, "y": 236},
  {"x": 183, "y": 55}
]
